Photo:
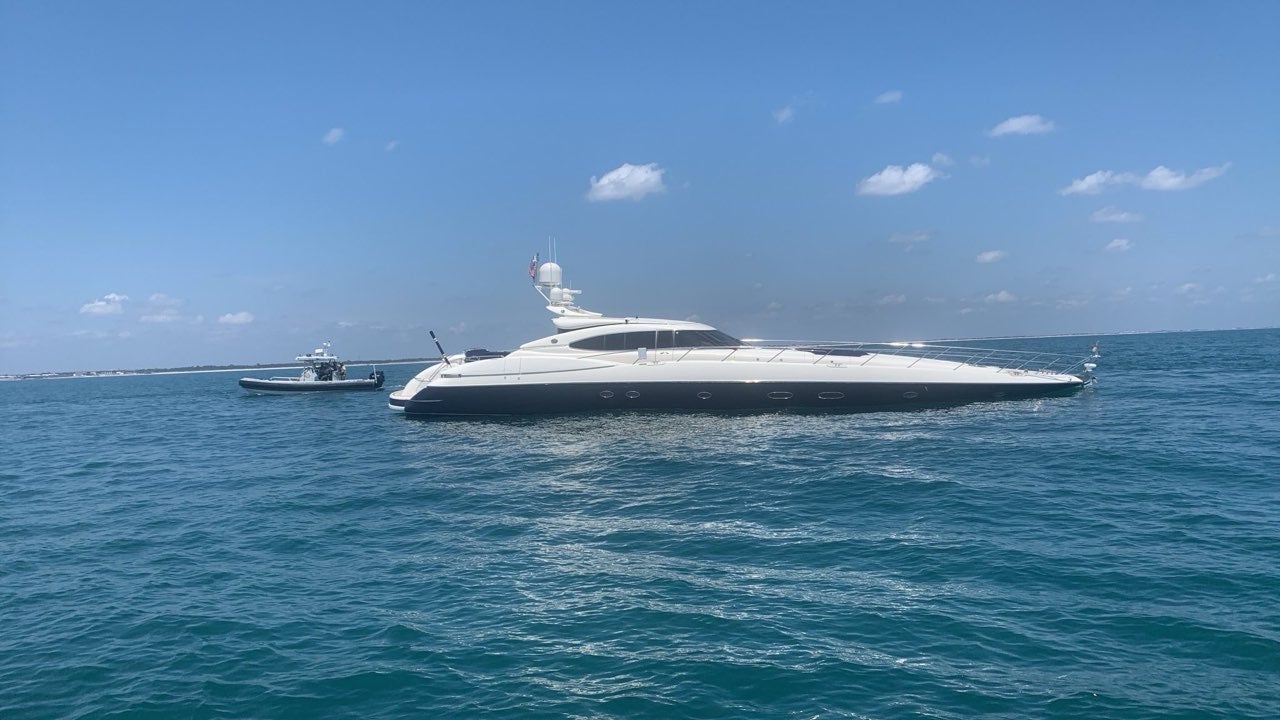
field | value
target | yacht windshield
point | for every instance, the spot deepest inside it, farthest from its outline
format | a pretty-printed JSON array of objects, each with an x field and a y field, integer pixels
[
  {"x": 657, "y": 339},
  {"x": 704, "y": 338}
]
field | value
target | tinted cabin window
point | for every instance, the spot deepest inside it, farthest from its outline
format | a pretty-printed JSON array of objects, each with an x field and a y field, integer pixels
[
  {"x": 655, "y": 340},
  {"x": 615, "y": 341},
  {"x": 637, "y": 340},
  {"x": 704, "y": 338},
  {"x": 592, "y": 343}
]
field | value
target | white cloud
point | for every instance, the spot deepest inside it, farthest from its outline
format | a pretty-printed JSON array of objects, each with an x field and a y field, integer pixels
[
  {"x": 979, "y": 160},
  {"x": 888, "y": 97},
  {"x": 991, "y": 256},
  {"x": 1022, "y": 125},
  {"x": 1114, "y": 214},
  {"x": 392, "y": 145},
  {"x": 892, "y": 300},
  {"x": 1162, "y": 178},
  {"x": 334, "y": 136},
  {"x": 1269, "y": 277},
  {"x": 897, "y": 180},
  {"x": 1003, "y": 296},
  {"x": 627, "y": 182},
  {"x": 910, "y": 239},
  {"x": 1093, "y": 183},
  {"x": 965, "y": 311},
  {"x": 1188, "y": 288},
  {"x": 109, "y": 304},
  {"x": 942, "y": 160},
  {"x": 239, "y": 318},
  {"x": 784, "y": 115},
  {"x": 1119, "y": 245},
  {"x": 162, "y": 308}
]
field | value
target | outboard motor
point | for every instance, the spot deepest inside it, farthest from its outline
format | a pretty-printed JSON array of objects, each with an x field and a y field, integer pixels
[{"x": 378, "y": 376}]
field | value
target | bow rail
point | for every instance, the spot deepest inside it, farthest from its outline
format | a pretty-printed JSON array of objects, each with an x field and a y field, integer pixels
[{"x": 1019, "y": 360}]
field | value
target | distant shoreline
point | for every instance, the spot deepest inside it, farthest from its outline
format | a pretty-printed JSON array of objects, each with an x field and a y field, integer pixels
[{"x": 199, "y": 369}]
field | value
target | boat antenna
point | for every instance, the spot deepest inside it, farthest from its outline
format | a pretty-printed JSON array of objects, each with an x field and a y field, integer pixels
[{"x": 436, "y": 340}]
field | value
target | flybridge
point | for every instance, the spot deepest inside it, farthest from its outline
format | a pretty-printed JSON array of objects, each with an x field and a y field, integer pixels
[{"x": 560, "y": 300}]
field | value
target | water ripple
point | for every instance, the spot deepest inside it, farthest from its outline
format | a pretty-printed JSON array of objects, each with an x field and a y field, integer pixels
[{"x": 186, "y": 550}]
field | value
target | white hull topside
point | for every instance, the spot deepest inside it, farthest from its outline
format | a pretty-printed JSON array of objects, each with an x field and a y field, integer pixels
[
  {"x": 547, "y": 362},
  {"x": 720, "y": 365}
]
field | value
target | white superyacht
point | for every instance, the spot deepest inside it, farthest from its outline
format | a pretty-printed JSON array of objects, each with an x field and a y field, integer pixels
[{"x": 599, "y": 363}]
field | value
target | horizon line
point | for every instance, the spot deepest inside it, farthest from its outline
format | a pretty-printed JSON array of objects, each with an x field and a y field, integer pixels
[{"x": 64, "y": 374}]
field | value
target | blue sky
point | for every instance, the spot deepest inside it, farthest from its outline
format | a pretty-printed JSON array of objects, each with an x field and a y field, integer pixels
[{"x": 185, "y": 183}]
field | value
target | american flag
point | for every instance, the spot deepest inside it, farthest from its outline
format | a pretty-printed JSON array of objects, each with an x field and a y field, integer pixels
[{"x": 533, "y": 266}]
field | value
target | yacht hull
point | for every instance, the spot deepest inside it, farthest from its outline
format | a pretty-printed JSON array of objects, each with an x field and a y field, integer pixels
[{"x": 540, "y": 398}]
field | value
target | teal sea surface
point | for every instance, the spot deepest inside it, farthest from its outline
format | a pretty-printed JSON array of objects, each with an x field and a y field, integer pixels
[{"x": 172, "y": 547}]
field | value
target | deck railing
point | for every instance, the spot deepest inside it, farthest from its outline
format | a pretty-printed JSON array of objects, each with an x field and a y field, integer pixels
[
  {"x": 1013, "y": 360},
  {"x": 861, "y": 353}
]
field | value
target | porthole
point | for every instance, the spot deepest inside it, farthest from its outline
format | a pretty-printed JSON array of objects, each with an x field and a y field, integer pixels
[
  {"x": 910, "y": 395},
  {"x": 830, "y": 395},
  {"x": 633, "y": 394},
  {"x": 780, "y": 395},
  {"x": 554, "y": 340},
  {"x": 606, "y": 394},
  {"x": 704, "y": 395}
]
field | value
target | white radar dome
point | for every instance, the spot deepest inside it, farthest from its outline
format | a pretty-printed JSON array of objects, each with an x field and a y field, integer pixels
[
  {"x": 549, "y": 274},
  {"x": 562, "y": 295}
]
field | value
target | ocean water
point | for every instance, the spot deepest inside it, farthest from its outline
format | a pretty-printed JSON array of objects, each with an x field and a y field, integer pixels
[{"x": 172, "y": 547}]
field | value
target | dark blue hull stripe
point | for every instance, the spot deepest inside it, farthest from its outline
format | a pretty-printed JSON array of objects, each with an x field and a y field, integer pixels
[{"x": 532, "y": 399}]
